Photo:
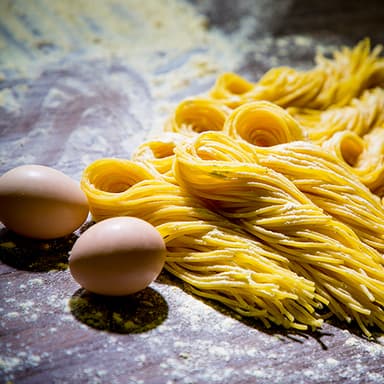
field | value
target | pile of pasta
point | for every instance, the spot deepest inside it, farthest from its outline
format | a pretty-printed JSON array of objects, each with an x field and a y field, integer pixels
[{"x": 269, "y": 195}]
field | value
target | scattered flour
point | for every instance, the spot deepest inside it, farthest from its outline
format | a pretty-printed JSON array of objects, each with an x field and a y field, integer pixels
[{"x": 189, "y": 55}]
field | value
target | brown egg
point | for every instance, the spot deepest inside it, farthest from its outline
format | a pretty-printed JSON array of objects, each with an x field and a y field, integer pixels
[
  {"x": 41, "y": 202},
  {"x": 117, "y": 256}
]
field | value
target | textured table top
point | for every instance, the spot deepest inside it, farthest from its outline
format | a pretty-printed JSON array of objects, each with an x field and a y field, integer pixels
[{"x": 80, "y": 80}]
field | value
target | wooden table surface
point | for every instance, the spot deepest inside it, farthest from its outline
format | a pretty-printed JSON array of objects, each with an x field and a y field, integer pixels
[{"x": 80, "y": 80}]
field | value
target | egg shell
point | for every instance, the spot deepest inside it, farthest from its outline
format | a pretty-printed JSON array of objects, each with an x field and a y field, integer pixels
[
  {"x": 117, "y": 256},
  {"x": 41, "y": 202}
]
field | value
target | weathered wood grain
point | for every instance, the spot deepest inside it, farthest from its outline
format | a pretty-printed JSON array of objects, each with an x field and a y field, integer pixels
[{"x": 83, "y": 106}]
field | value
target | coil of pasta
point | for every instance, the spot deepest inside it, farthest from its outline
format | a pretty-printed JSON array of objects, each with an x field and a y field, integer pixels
[
  {"x": 364, "y": 157},
  {"x": 216, "y": 257},
  {"x": 263, "y": 123},
  {"x": 158, "y": 154},
  {"x": 198, "y": 115},
  {"x": 232, "y": 90}
]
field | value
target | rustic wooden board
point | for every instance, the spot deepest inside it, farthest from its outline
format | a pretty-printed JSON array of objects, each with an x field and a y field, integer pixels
[{"x": 70, "y": 100}]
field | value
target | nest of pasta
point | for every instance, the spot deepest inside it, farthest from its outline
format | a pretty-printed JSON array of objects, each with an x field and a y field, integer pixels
[{"x": 269, "y": 194}]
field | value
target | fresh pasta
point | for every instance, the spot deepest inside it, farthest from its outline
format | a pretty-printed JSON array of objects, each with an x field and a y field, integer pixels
[
  {"x": 269, "y": 194},
  {"x": 363, "y": 156},
  {"x": 272, "y": 209},
  {"x": 198, "y": 115},
  {"x": 332, "y": 82},
  {"x": 263, "y": 124},
  {"x": 329, "y": 183},
  {"x": 214, "y": 255},
  {"x": 360, "y": 117}
]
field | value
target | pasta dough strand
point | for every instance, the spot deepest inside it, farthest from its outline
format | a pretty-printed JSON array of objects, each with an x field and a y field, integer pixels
[{"x": 294, "y": 226}]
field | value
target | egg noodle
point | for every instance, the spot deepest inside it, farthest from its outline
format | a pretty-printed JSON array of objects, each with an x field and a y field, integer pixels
[{"x": 269, "y": 195}]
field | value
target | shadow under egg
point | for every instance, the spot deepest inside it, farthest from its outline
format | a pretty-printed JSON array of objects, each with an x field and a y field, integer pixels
[
  {"x": 136, "y": 313},
  {"x": 34, "y": 255}
]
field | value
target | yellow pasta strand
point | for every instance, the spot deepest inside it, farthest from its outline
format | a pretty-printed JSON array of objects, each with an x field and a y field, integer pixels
[
  {"x": 263, "y": 123},
  {"x": 364, "y": 156},
  {"x": 360, "y": 116},
  {"x": 158, "y": 154},
  {"x": 232, "y": 90},
  {"x": 331, "y": 187},
  {"x": 332, "y": 82},
  {"x": 272, "y": 209},
  {"x": 198, "y": 115}
]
